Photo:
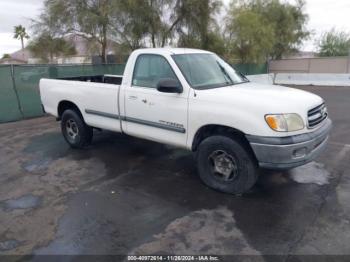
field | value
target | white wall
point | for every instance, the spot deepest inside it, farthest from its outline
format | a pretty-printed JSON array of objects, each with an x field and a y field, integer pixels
[
  {"x": 263, "y": 78},
  {"x": 302, "y": 79},
  {"x": 74, "y": 60},
  {"x": 313, "y": 79}
]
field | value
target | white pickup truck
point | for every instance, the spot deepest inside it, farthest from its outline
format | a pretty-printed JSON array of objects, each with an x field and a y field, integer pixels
[{"x": 193, "y": 99}]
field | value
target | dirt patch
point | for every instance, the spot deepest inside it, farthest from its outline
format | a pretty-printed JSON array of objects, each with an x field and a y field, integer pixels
[{"x": 201, "y": 232}]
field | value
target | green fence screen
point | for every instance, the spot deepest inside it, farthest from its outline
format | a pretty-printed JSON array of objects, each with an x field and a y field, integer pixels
[
  {"x": 19, "y": 84},
  {"x": 252, "y": 69},
  {"x": 9, "y": 107}
]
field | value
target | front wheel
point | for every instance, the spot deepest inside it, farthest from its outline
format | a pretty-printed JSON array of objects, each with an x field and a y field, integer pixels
[
  {"x": 74, "y": 130},
  {"x": 226, "y": 165}
]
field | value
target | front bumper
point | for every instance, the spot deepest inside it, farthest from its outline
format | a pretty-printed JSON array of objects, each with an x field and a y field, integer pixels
[{"x": 291, "y": 151}]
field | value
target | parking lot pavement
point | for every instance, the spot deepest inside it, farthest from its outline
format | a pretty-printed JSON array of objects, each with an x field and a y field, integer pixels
[{"x": 129, "y": 196}]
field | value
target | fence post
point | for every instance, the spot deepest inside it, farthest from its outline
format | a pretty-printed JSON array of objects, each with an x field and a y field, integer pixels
[
  {"x": 15, "y": 90},
  {"x": 348, "y": 67}
]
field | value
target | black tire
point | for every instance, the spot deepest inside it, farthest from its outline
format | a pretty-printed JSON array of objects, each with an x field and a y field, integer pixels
[
  {"x": 74, "y": 130},
  {"x": 215, "y": 154}
]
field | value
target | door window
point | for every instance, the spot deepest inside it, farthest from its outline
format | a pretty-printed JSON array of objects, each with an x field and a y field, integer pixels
[{"x": 149, "y": 69}]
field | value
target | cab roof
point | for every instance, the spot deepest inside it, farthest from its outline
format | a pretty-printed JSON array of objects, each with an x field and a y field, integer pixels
[{"x": 171, "y": 51}]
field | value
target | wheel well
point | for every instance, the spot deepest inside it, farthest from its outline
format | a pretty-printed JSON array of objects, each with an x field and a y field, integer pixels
[
  {"x": 64, "y": 105},
  {"x": 210, "y": 130}
]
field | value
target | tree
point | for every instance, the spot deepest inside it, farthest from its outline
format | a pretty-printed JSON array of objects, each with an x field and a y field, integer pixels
[
  {"x": 250, "y": 36},
  {"x": 134, "y": 23},
  {"x": 159, "y": 25},
  {"x": 5, "y": 56},
  {"x": 289, "y": 23},
  {"x": 91, "y": 19},
  {"x": 150, "y": 23},
  {"x": 131, "y": 23},
  {"x": 46, "y": 47},
  {"x": 334, "y": 43},
  {"x": 21, "y": 34},
  {"x": 280, "y": 26},
  {"x": 197, "y": 26},
  {"x": 146, "y": 23}
]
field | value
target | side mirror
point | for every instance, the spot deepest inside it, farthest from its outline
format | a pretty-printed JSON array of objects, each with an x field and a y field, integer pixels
[{"x": 169, "y": 85}]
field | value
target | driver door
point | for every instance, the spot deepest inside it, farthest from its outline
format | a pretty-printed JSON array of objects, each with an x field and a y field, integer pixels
[{"x": 151, "y": 114}]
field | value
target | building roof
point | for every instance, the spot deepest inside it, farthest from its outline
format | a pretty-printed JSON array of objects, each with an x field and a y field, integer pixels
[
  {"x": 11, "y": 60},
  {"x": 22, "y": 55},
  {"x": 84, "y": 47}
]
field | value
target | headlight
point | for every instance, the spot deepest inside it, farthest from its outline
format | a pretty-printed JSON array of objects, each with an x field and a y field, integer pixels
[{"x": 285, "y": 122}]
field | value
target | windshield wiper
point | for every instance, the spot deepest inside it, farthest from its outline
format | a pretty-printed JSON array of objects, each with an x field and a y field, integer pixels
[
  {"x": 243, "y": 76},
  {"x": 227, "y": 76}
]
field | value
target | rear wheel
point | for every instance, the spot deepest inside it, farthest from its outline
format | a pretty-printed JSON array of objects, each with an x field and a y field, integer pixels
[
  {"x": 226, "y": 165},
  {"x": 74, "y": 130}
]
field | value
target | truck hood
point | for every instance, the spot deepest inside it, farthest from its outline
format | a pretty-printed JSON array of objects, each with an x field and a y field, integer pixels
[{"x": 262, "y": 98}]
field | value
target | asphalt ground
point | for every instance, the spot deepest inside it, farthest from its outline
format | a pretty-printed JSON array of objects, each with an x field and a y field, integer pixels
[{"x": 124, "y": 196}]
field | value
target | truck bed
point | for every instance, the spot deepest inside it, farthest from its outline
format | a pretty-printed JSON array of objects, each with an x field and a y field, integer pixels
[{"x": 107, "y": 79}]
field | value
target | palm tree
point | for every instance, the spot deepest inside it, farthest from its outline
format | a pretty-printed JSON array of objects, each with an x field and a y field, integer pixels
[{"x": 20, "y": 33}]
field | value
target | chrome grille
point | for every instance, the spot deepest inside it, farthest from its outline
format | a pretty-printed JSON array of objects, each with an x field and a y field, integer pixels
[{"x": 317, "y": 115}]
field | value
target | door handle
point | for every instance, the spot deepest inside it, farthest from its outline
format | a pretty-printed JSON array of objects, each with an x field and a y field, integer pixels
[{"x": 132, "y": 97}]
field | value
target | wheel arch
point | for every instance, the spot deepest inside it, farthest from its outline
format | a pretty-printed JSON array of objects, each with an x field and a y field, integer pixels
[
  {"x": 66, "y": 104},
  {"x": 214, "y": 129}
]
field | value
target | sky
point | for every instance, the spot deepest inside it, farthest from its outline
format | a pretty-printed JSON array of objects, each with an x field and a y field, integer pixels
[{"x": 323, "y": 16}]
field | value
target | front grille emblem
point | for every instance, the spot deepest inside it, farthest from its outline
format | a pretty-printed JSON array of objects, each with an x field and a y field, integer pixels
[{"x": 317, "y": 115}]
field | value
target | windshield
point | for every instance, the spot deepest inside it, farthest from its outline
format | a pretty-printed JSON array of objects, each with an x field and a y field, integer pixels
[{"x": 204, "y": 71}]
